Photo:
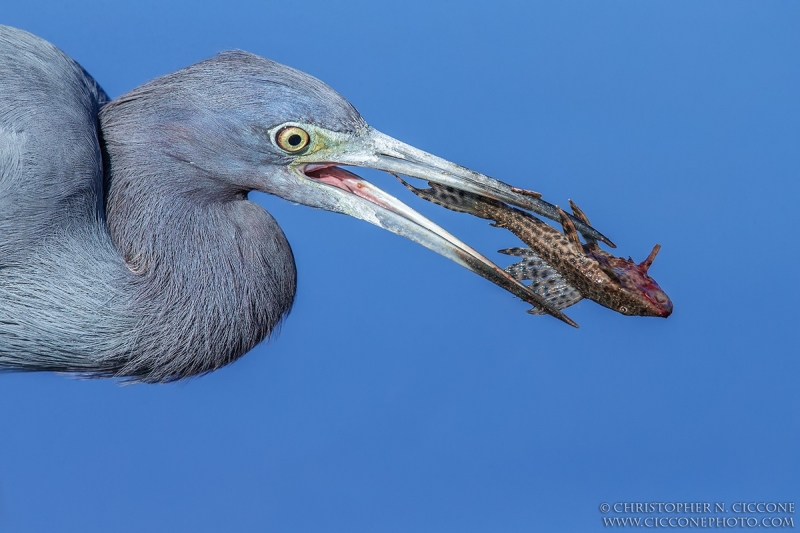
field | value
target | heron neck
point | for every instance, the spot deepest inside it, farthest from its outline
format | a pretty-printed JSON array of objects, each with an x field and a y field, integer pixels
[{"x": 213, "y": 272}]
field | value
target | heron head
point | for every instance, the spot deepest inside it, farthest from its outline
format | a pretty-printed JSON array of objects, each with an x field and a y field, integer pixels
[{"x": 252, "y": 124}]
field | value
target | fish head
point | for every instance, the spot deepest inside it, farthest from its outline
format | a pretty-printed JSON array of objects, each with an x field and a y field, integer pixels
[{"x": 646, "y": 297}]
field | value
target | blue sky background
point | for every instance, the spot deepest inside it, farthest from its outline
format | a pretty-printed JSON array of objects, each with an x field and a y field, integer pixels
[{"x": 407, "y": 394}]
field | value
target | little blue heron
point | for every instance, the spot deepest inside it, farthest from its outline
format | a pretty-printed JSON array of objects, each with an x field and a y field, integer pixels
[{"x": 128, "y": 246}]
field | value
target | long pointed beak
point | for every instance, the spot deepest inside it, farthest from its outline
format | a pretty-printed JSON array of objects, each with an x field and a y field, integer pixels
[
  {"x": 326, "y": 186},
  {"x": 388, "y": 154}
]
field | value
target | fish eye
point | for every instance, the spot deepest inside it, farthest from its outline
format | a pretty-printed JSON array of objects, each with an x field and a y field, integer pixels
[{"x": 292, "y": 139}]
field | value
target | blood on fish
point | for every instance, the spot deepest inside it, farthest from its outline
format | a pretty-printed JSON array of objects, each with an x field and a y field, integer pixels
[{"x": 562, "y": 269}]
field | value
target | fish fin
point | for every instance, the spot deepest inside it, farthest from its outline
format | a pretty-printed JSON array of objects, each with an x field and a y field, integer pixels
[
  {"x": 532, "y": 267},
  {"x": 649, "y": 261},
  {"x": 570, "y": 232},
  {"x": 556, "y": 292},
  {"x": 578, "y": 213},
  {"x": 545, "y": 281},
  {"x": 519, "y": 252}
]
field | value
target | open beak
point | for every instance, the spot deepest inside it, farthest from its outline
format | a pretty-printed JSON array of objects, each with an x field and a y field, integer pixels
[
  {"x": 335, "y": 189},
  {"x": 382, "y": 152}
]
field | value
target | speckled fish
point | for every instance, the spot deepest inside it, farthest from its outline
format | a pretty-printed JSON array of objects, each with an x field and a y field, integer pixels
[{"x": 562, "y": 269}]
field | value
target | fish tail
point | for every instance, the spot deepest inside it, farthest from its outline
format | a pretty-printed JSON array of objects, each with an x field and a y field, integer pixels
[{"x": 455, "y": 199}]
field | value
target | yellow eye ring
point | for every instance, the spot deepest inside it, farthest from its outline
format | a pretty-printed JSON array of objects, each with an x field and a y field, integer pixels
[{"x": 292, "y": 139}]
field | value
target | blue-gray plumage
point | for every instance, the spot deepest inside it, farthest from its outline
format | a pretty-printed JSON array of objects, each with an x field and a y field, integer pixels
[{"x": 128, "y": 246}]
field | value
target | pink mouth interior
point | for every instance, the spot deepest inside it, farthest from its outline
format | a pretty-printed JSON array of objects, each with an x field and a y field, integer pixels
[{"x": 345, "y": 180}]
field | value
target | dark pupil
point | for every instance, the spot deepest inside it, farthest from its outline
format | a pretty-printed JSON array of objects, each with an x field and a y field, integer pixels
[{"x": 295, "y": 139}]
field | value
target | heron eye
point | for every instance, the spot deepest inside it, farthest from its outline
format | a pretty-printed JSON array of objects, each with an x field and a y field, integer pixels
[{"x": 292, "y": 139}]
